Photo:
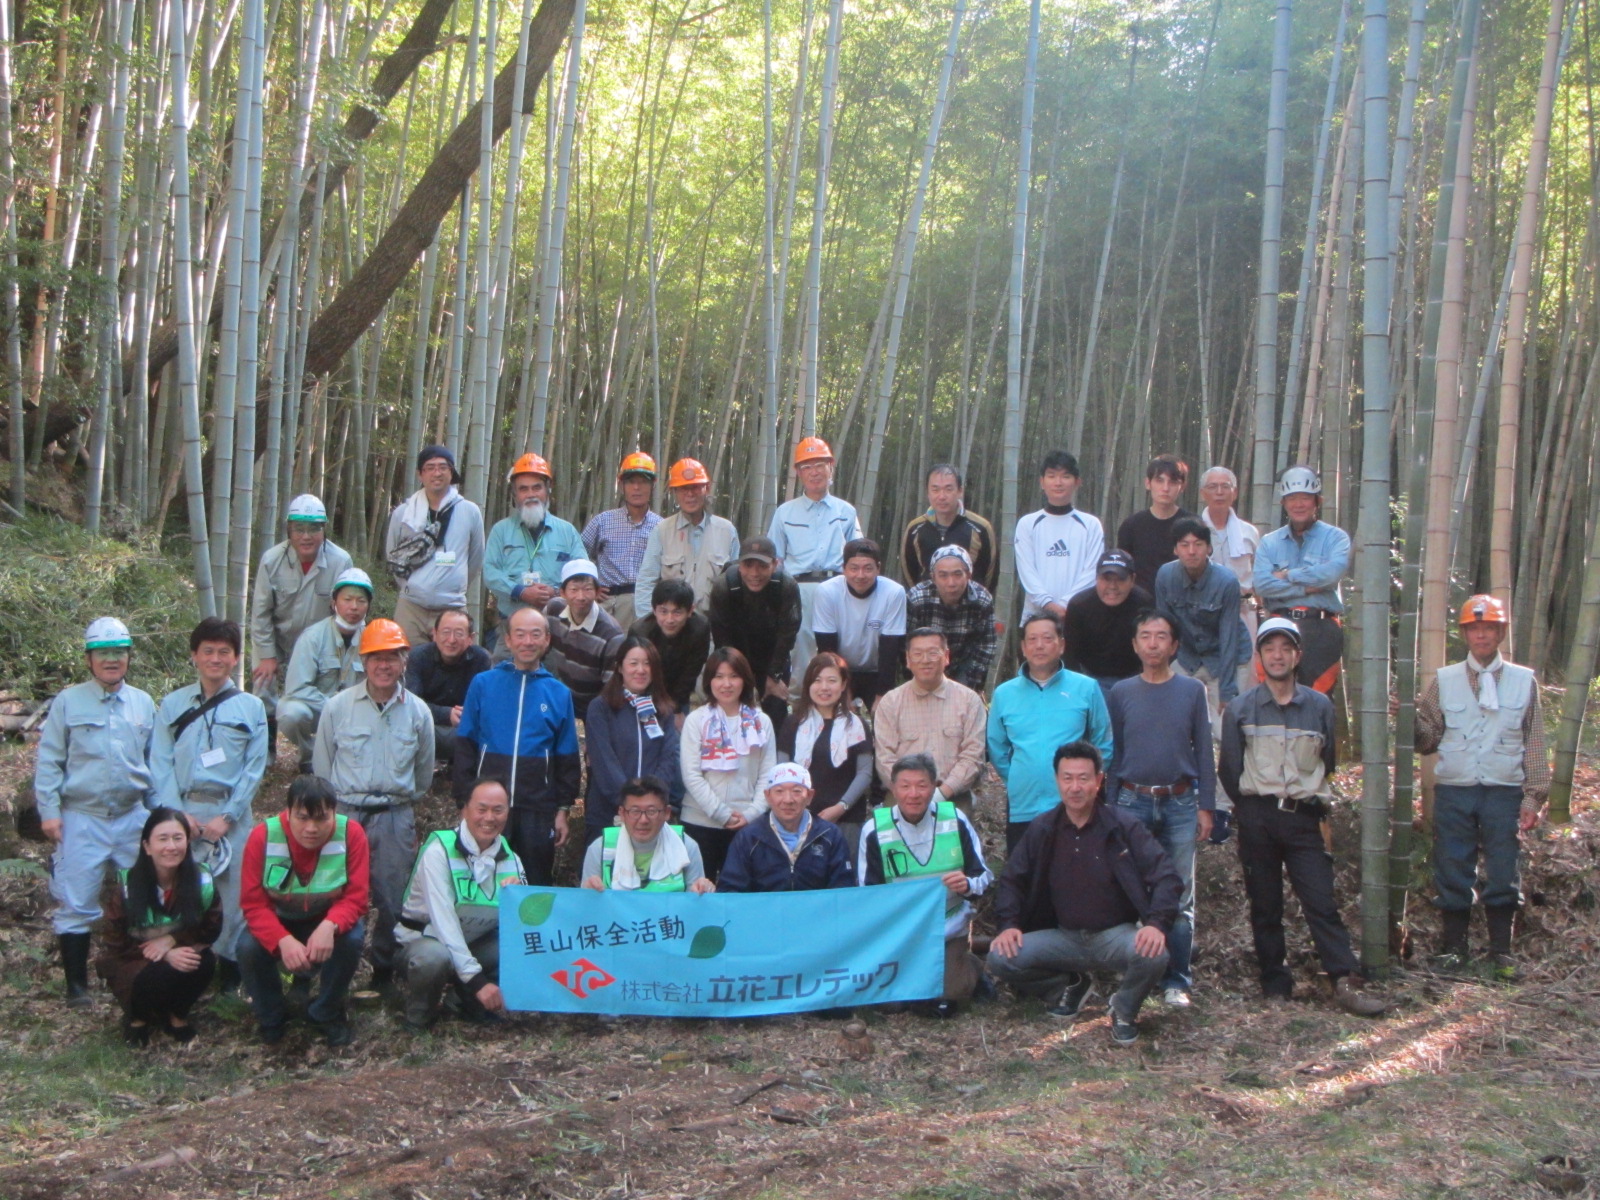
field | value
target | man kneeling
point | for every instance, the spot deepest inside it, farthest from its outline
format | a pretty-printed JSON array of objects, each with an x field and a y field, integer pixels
[
  {"x": 303, "y": 889},
  {"x": 644, "y": 853},
  {"x": 450, "y": 922},
  {"x": 914, "y": 838},
  {"x": 1088, "y": 888}
]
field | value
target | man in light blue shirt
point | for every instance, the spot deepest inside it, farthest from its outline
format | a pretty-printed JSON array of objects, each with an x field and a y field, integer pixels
[
  {"x": 522, "y": 565},
  {"x": 207, "y": 758},
  {"x": 1297, "y": 572},
  {"x": 1043, "y": 707},
  {"x": 810, "y": 533},
  {"x": 1201, "y": 599},
  {"x": 91, "y": 781}
]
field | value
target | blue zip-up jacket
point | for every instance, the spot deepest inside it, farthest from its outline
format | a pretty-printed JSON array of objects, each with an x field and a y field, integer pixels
[
  {"x": 1028, "y": 721},
  {"x": 758, "y": 862},
  {"x": 520, "y": 726}
]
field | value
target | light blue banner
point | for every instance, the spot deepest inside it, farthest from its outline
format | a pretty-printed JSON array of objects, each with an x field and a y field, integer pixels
[{"x": 674, "y": 954}]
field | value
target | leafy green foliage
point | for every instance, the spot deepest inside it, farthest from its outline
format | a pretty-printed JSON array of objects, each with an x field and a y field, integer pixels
[{"x": 55, "y": 579}]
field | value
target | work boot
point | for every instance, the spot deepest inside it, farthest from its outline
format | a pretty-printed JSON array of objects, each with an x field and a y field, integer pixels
[
  {"x": 1500, "y": 919},
  {"x": 75, "y": 966},
  {"x": 228, "y": 978},
  {"x": 1454, "y": 923},
  {"x": 1352, "y": 999}
]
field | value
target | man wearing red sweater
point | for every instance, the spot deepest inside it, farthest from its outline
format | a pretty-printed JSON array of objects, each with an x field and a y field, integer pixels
[{"x": 303, "y": 888}]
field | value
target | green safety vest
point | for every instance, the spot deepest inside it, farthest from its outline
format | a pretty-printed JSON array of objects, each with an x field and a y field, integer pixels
[
  {"x": 157, "y": 922},
  {"x": 900, "y": 864},
  {"x": 608, "y": 855},
  {"x": 291, "y": 899},
  {"x": 469, "y": 895}
]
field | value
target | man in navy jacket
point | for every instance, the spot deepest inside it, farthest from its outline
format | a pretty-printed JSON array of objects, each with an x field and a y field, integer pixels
[{"x": 787, "y": 849}]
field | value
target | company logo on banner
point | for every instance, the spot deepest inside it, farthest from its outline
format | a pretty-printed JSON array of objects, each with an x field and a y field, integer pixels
[{"x": 674, "y": 954}]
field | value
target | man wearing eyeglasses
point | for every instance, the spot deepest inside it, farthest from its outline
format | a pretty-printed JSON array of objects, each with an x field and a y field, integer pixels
[{"x": 644, "y": 853}]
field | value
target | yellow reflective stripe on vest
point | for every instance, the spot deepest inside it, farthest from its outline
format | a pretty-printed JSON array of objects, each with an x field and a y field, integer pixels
[{"x": 898, "y": 861}]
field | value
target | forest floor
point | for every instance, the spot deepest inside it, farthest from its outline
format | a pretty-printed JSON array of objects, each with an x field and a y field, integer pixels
[{"x": 1461, "y": 1090}]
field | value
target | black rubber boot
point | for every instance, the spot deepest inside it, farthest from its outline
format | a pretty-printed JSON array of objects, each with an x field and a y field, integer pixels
[
  {"x": 1500, "y": 920},
  {"x": 272, "y": 738},
  {"x": 228, "y": 978},
  {"x": 75, "y": 966},
  {"x": 1454, "y": 924}
]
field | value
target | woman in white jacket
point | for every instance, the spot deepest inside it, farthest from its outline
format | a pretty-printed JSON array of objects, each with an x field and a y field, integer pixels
[{"x": 727, "y": 751}]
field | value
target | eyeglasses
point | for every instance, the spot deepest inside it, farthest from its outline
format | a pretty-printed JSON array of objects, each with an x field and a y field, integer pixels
[
  {"x": 631, "y": 813},
  {"x": 924, "y": 655}
]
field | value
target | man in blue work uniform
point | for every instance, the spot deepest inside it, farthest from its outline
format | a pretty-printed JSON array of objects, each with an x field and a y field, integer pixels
[
  {"x": 809, "y": 533},
  {"x": 91, "y": 781}
]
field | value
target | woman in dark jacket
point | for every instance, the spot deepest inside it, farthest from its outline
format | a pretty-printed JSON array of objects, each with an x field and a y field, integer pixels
[
  {"x": 629, "y": 732},
  {"x": 159, "y": 919}
]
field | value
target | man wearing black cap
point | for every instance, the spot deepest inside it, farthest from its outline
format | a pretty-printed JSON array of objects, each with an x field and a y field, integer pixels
[
  {"x": 435, "y": 545},
  {"x": 755, "y": 608},
  {"x": 1099, "y": 624}
]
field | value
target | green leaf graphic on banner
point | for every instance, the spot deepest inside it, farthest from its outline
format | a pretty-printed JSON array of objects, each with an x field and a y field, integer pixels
[
  {"x": 708, "y": 942},
  {"x": 535, "y": 909}
]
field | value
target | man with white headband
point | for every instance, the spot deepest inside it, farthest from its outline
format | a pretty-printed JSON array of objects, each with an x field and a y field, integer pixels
[{"x": 786, "y": 849}]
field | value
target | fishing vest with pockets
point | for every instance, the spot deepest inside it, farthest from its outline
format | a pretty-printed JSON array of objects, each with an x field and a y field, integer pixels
[
  {"x": 719, "y": 546},
  {"x": 1479, "y": 746},
  {"x": 608, "y": 855},
  {"x": 899, "y": 864},
  {"x": 291, "y": 899},
  {"x": 156, "y": 922}
]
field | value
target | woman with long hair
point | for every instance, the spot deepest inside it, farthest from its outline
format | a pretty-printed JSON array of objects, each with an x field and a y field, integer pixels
[
  {"x": 160, "y": 917},
  {"x": 628, "y": 733},
  {"x": 824, "y": 735},
  {"x": 727, "y": 752}
]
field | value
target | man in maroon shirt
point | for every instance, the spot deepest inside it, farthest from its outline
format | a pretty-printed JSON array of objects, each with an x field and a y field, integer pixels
[
  {"x": 1088, "y": 888},
  {"x": 304, "y": 887}
]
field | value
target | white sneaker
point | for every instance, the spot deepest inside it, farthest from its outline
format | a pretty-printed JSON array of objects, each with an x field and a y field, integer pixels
[{"x": 1175, "y": 997}]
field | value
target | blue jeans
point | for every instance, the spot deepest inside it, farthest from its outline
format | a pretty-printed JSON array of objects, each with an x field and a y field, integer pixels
[
  {"x": 1049, "y": 959},
  {"x": 1173, "y": 821},
  {"x": 259, "y": 968},
  {"x": 1467, "y": 820}
]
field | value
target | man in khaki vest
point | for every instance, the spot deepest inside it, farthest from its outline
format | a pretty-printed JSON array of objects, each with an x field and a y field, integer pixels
[{"x": 692, "y": 545}]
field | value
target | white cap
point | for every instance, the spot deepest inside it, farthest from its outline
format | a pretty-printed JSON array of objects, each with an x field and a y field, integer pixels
[
  {"x": 1297, "y": 480},
  {"x": 1281, "y": 625},
  {"x": 106, "y": 633},
  {"x": 307, "y": 508},
  {"x": 579, "y": 566},
  {"x": 789, "y": 772},
  {"x": 352, "y": 577}
]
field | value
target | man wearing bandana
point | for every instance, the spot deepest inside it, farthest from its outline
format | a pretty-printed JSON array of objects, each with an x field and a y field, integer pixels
[{"x": 1482, "y": 717}]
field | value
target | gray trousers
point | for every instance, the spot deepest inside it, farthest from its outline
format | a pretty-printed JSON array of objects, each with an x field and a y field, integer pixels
[
  {"x": 227, "y": 943},
  {"x": 426, "y": 965},
  {"x": 392, "y": 843},
  {"x": 298, "y": 722},
  {"x": 1049, "y": 959}
]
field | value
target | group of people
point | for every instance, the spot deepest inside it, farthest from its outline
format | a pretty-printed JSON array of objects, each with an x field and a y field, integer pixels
[{"x": 762, "y": 714}]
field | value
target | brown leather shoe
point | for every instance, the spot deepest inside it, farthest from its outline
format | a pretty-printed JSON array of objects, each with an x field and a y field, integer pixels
[{"x": 1353, "y": 1000}]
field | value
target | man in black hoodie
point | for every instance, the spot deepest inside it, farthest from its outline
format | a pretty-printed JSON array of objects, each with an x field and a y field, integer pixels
[{"x": 1086, "y": 889}]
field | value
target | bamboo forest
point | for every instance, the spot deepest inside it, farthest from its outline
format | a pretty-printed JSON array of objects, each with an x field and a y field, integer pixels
[{"x": 254, "y": 248}]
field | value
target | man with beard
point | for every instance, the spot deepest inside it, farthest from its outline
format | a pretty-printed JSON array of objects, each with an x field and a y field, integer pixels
[{"x": 527, "y": 550}]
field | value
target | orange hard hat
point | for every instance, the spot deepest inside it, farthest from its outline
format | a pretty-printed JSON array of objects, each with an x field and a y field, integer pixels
[
  {"x": 687, "y": 472},
  {"x": 1483, "y": 608},
  {"x": 383, "y": 634},
  {"x": 530, "y": 464},
  {"x": 810, "y": 449},
  {"x": 637, "y": 463}
]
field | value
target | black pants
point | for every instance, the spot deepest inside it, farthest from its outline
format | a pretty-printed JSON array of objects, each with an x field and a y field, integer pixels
[
  {"x": 1271, "y": 842},
  {"x": 713, "y": 845},
  {"x": 161, "y": 990},
  {"x": 532, "y": 834},
  {"x": 1014, "y": 832},
  {"x": 777, "y": 710}
]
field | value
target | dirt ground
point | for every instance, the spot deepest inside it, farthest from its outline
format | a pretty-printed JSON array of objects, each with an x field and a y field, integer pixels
[{"x": 1461, "y": 1090}]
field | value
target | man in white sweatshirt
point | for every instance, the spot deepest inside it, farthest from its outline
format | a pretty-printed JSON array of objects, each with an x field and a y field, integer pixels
[{"x": 1058, "y": 546}]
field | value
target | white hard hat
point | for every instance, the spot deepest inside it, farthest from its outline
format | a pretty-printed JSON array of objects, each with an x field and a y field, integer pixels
[
  {"x": 214, "y": 856},
  {"x": 1281, "y": 625},
  {"x": 106, "y": 633},
  {"x": 1299, "y": 479},
  {"x": 352, "y": 577},
  {"x": 579, "y": 566},
  {"x": 307, "y": 507}
]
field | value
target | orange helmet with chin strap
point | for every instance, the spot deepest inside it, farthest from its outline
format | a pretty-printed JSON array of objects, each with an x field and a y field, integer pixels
[{"x": 687, "y": 472}]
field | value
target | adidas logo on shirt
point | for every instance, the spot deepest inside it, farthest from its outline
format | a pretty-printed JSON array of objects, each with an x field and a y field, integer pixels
[{"x": 1058, "y": 549}]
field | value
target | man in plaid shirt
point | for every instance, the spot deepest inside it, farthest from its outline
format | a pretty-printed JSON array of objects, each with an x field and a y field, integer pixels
[{"x": 960, "y": 608}]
